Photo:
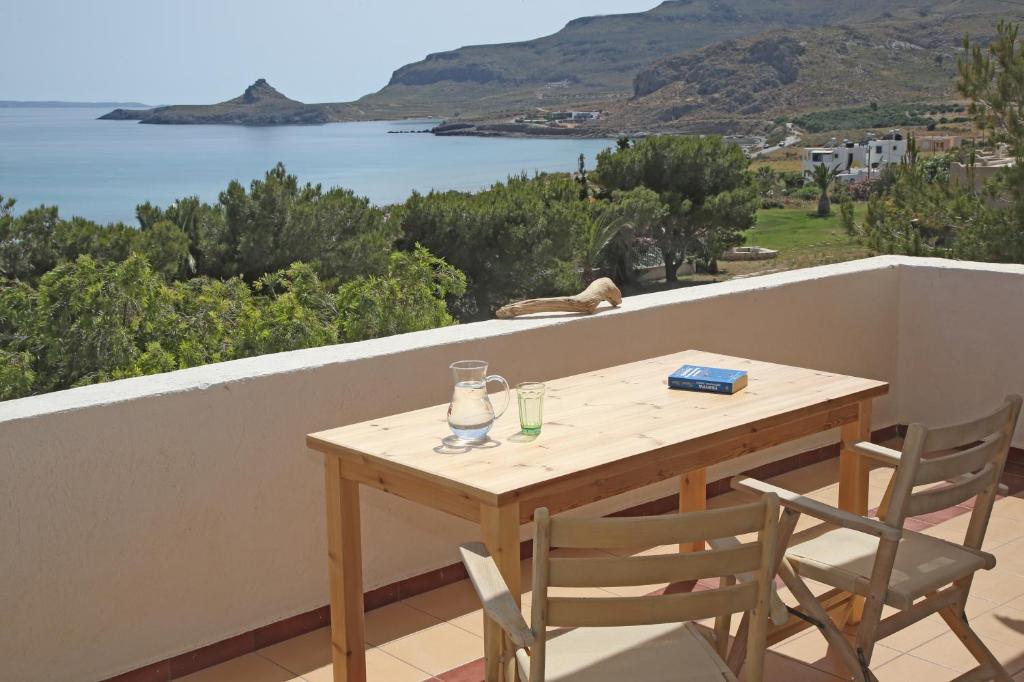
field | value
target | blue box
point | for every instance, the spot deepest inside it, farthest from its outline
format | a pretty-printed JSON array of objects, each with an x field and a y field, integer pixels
[{"x": 708, "y": 379}]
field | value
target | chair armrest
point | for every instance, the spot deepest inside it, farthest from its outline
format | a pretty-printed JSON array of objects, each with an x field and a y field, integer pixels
[
  {"x": 881, "y": 454},
  {"x": 818, "y": 510},
  {"x": 494, "y": 594},
  {"x": 777, "y": 608}
]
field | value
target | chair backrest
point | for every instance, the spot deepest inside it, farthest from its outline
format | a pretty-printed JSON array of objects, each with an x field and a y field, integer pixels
[
  {"x": 617, "y": 571},
  {"x": 943, "y": 467}
]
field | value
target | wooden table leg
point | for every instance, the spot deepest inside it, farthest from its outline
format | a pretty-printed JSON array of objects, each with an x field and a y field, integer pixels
[
  {"x": 499, "y": 528},
  {"x": 693, "y": 496},
  {"x": 854, "y": 475},
  {"x": 344, "y": 551},
  {"x": 853, "y": 468}
]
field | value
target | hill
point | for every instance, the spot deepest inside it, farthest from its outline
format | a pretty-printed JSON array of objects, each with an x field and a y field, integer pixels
[
  {"x": 259, "y": 105},
  {"x": 596, "y": 59},
  {"x": 735, "y": 84}
]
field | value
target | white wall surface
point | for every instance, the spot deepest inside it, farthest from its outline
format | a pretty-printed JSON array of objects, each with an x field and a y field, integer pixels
[{"x": 143, "y": 518}]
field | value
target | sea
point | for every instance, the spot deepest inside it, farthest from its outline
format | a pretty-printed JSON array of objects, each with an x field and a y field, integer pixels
[{"x": 101, "y": 170}]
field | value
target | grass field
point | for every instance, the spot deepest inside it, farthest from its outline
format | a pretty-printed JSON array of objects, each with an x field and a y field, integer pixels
[{"x": 802, "y": 239}]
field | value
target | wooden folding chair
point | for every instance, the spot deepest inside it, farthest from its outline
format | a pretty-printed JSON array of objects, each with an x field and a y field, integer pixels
[
  {"x": 884, "y": 563},
  {"x": 643, "y": 638}
]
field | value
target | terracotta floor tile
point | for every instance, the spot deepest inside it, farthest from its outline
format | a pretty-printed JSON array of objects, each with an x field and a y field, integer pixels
[
  {"x": 437, "y": 649},
  {"x": 395, "y": 621},
  {"x": 470, "y": 672},
  {"x": 906, "y": 667},
  {"x": 1000, "y": 531},
  {"x": 248, "y": 668},
  {"x": 947, "y": 651},
  {"x": 448, "y": 602},
  {"x": 474, "y": 622},
  {"x": 1010, "y": 507},
  {"x": 1002, "y": 624},
  {"x": 813, "y": 649},
  {"x": 383, "y": 667},
  {"x": 1017, "y": 604},
  {"x": 1011, "y": 556},
  {"x": 380, "y": 667},
  {"x": 778, "y": 668},
  {"x": 303, "y": 654},
  {"x": 917, "y": 634},
  {"x": 999, "y": 585}
]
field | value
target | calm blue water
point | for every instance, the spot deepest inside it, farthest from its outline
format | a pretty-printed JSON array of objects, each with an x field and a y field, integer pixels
[{"x": 102, "y": 169}]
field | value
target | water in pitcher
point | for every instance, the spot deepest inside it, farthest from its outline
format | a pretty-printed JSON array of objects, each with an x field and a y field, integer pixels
[{"x": 470, "y": 414}]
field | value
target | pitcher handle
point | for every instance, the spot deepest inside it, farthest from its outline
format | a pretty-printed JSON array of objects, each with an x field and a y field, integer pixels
[{"x": 508, "y": 392}]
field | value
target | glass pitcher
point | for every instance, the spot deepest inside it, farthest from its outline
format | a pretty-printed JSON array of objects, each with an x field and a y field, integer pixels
[{"x": 470, "y": 414}]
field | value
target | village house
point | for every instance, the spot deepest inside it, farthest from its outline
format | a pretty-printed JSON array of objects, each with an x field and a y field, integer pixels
[
  {"x": 938, "y": 143},
  {"x": 856, "y": 159}
]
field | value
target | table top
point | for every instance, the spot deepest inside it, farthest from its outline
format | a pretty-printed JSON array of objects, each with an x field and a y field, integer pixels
[{"x": 591, "y": 420}]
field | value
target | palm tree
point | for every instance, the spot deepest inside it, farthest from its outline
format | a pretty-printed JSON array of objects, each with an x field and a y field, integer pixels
[
  {"x": 598, "y": 232},
  {"x": 766, "y": 179},
  {"x": 823, "y": 178}
]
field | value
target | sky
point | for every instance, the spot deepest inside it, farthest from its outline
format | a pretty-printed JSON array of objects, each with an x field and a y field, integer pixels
[{"x": 204, "y": 51}]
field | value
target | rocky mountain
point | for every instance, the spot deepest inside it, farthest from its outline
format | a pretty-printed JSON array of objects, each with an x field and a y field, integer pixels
[
  {"x": 259, "y": 105},
  {"x": 734, "y": 83},
  {"x": 597, "y": 59}
]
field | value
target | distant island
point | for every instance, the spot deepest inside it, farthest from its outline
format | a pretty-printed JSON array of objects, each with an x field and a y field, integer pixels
[
  {"x": 57, "y": 104},
  {"x": 259, "y": 105}
]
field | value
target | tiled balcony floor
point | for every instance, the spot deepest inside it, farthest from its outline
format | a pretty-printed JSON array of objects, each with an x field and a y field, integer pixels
[{"x": 438, "y": 635}]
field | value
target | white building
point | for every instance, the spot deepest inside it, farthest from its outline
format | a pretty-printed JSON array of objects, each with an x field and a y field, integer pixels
[{"x": 857, "y": 159}]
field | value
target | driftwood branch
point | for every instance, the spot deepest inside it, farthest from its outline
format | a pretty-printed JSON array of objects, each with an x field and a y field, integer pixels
[{"x": 586, "y": 301}]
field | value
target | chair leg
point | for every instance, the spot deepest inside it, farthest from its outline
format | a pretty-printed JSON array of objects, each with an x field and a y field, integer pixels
[
  {"x": 958, "y": 624},
  {"x": 738, "y": 652},
  {"x": 723, "y": 622},
  {"x": 809, "y": 603},
  {"x": 737, "y": 655}
]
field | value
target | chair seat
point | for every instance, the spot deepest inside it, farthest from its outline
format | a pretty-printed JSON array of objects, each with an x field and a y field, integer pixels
[
  {"x": 843, "y": 558},
  {"x": 652, "y": 653}
]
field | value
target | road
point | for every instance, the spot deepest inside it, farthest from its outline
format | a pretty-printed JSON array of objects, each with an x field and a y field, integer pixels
[{"x": 790, "y": 140}]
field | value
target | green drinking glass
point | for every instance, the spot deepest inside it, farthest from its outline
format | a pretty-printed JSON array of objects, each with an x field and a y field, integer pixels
[{"x": 531, "y": 406}]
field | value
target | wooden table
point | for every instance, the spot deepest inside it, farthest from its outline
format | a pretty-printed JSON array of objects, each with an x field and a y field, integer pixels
[{"x": 605, "y": 432}]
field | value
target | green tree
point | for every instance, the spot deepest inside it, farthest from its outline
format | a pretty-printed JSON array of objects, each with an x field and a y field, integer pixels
[
  {"x": 165, "y": 246},
  {"x": 846, "y": 217},
  {"x": 823, "y": 178},
  {"x": 278, "y": 222},
  {"x": 16, "y": 374},
  {"x": 409, "y": 297},
  {"x": 599, "y": 227},
  {"x": 28, "y": 243},
  {"x": 704, "y": 185},
  {"x": 95, "y": 318},
  {"x": 993, "y": 79},
  {"x": 513, "y": 240},
  {"x": 767, "y": 180},
  {"x": 627, "y": 216}
]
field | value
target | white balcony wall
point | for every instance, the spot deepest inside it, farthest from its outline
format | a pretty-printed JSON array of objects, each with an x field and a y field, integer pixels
[{"x": 148, "y": 517}]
